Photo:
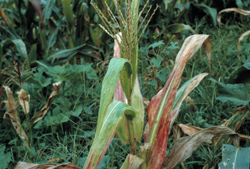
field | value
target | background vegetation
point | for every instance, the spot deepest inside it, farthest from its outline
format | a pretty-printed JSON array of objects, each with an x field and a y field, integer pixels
[{"x": 44, "y": 42}]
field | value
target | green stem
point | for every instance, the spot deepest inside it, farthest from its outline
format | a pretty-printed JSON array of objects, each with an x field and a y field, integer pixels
[
  {"x": 144, "y": 150},
  {"x": 132, "y": 144},
  {"x": 71, "y": 45}
]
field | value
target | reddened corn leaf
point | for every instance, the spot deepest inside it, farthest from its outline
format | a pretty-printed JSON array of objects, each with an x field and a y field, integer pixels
[
  {"x": 37, "y": 6},
  {"x": 183, "y": 92},
  {"x": 159, "y": 109}
]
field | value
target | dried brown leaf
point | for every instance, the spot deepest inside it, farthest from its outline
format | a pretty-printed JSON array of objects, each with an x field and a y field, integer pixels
[
  {"x": 241, "y": 38},
  {"x": 185, "y": 146},
  {"x": 243, "y": 12},
  {"x": 24, "y": 100},
  {"x": 11, "y": 105},
  {"x": 41, "y": 113},
  {"x": 181, "y": 129}
]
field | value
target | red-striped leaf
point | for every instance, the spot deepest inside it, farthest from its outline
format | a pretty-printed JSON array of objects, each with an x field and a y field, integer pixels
[{"x": 161, "y": 105}]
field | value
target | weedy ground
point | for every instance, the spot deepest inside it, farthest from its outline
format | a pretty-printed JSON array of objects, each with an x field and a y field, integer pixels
[{"x": 71, "y": 140}]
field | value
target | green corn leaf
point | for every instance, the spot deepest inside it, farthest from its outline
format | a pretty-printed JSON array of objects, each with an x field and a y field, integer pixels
[
  {"x": 32, "y": 53},
  {"x": 132, "y": 162},
  {"x": 108, "y": 87},
  {"x": 238, "y": 94},
  {"x": 138, "y": 122},
  {"x": 136, "y": 103},
  {"x": 178, "y": 27},
  {"x": 234, "y": 157},
  {"x": 51, "y": 41},
  {"x": 208, "y": 10},
  {"x": 61, "y": 54},
  {"x": 135, "y": 11},
  {"x": 116, "y": 111},
  {"x": 21, "y": 48},
  {"x": 48, "y": 10},
  {"x": 125, "y": 79},
  {"x": 69, "y": 17}
]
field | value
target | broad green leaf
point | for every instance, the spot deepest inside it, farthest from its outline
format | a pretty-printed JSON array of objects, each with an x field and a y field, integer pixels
[
  {"x": 184, "y": 147},
  {"x": 238, "y": 94},
  {"x": 178, "y": 27},
  {"x": 241, "y": 75},
  {"x": 96, "y": 35},
  {"x": 69, "y": 17},
  {"x": 234, "y": 157},
  {"x": 156, "y": 61},
  {"x": 51, "y": 41},
  {"x": 208, "y": 10},
  {"x": 4, "y": 158},
  {"x": 21, "y": 48},
  {"x": 239, "y": 4},
  {"x": 132, "y": 162},
  {"x": 105, "y": 132},
  {"x": 108, "y": 87},
  {"x": 156, "y": 44},
  {"x": 60, "y": 54},
  {"x": 168, "y": 3},
  {"x": 32, "y": 53},
  {"x": 48, "y": 10},
  {"x": 160, "y": 107}
]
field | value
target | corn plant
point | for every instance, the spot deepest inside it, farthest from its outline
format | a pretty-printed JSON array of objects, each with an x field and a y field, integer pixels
[
  {"x": 47, "y": 38},
  {"x": 121, "y": 109}
]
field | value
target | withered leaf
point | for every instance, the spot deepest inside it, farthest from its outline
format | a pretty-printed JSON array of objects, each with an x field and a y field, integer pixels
[
  {"x": 41, "y": 113},
  {"x": 185, "y": 146}
]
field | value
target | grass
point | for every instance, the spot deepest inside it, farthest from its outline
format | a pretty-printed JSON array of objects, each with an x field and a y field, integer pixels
[{"x": 70, "y": 141}]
